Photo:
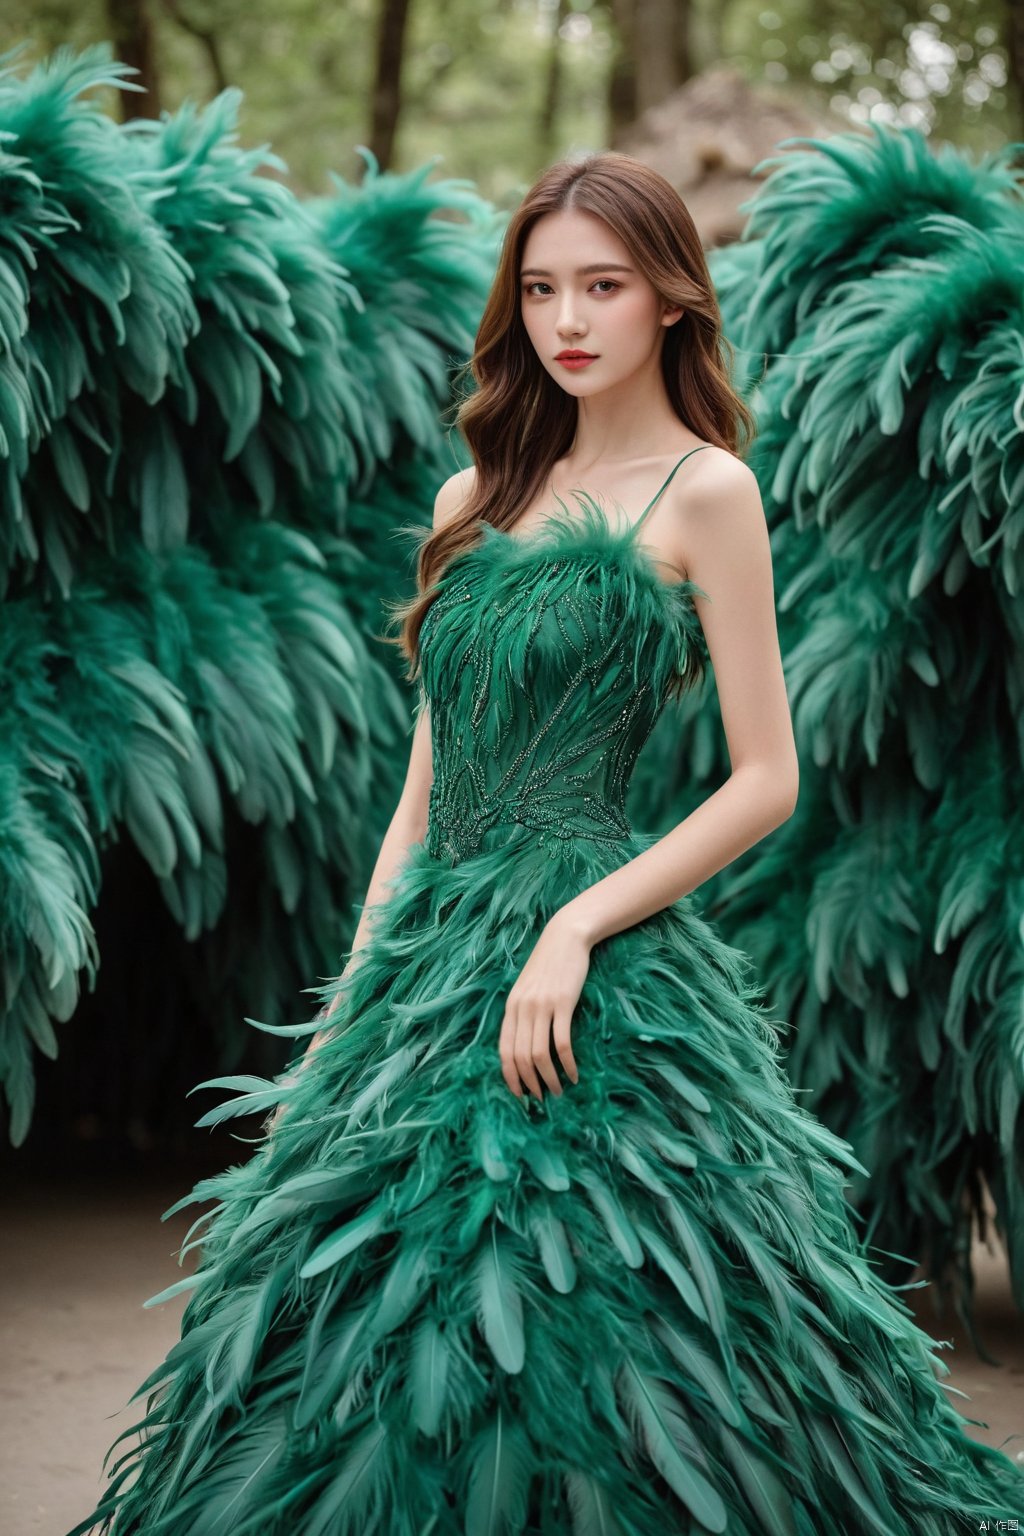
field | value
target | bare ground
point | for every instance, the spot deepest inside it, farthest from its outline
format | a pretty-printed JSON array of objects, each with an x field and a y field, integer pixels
[{"x": 80, "y": 1257}]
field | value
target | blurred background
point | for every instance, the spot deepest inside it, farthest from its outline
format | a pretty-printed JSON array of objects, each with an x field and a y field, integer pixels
[
  {"x": 498, "y": 88},
  {"x": 185, "y": 486}
]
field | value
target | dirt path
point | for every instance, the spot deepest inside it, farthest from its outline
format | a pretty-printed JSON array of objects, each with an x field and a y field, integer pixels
[{"x": 79, "y": 1260}]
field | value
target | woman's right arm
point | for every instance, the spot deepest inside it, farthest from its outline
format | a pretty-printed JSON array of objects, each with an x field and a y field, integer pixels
[{"x": 408, "y": 824}]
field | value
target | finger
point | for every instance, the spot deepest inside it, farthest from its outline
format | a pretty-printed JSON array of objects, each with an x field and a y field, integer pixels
[
  {"x": 507, "y": 1051},
  {"x": 563, "y": 1043},
  {"x": 542, "y": 1052},
  {"x": 524, "y": 1055}
]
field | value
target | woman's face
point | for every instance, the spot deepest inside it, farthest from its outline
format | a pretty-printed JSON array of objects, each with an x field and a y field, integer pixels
[{"x": 580, "y": 290}]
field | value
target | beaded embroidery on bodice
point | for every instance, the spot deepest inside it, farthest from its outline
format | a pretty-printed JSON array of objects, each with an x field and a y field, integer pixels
[{"x": 545, "y": 663}]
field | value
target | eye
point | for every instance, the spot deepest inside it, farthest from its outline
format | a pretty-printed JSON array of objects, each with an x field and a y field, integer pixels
[
  {"x": 608, "y": 283},
  {"x": 528, "y": 287}
]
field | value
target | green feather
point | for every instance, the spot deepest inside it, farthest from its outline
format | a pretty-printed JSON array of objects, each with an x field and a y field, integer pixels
[
  {"x": 499, "y": 1479},
  {"x": 555, "y": 1252},
  {"x": 591, "y": 1506},
  {"x": 667, "y": 1438},
  {"x": 352, "y": 1235},
  {"x": 620, "y": 1228},
  {"x": 765, "y": 1493},
  {"x": 499, "y": 1303},
  {"x": 547, "y": 1164},
  {"x": 687, "y": 1090},
  {"x": 428, "y": 1376},
  {"x": 674, "y": 1269},
  {"x": 363, "y": 1485},
  {"x": 703, "y": 1371}
]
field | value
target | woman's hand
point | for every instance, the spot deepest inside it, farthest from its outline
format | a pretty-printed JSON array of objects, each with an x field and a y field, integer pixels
[{"x": 539, "y": 1006}]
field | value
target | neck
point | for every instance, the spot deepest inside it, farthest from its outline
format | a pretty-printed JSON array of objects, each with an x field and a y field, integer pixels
[{"x": 630, "y": 420}]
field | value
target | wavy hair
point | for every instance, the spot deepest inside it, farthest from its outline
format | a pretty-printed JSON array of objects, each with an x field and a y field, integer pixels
[{"x": 518, "y": 422}]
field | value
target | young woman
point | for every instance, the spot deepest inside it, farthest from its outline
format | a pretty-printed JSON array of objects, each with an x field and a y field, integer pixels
[{"x": 539, "y": 1239}]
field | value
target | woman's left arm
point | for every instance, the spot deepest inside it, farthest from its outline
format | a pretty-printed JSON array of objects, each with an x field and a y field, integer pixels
[
  {"x": 727, "y": 552},
  {"x": 723, "y": 538}
]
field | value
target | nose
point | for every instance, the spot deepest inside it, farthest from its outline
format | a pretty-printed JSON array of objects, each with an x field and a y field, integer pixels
[{"x": 570, "y": 324}]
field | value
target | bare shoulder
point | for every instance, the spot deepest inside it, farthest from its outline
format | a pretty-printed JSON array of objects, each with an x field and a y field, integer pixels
[
  {"x": 715, "y": 509},
  {"x": 453, "y": 495},
  {"x": 716, "y": 476}
]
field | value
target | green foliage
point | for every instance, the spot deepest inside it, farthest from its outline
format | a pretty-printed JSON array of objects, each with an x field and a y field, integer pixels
[{"x": 916, "y": 63}]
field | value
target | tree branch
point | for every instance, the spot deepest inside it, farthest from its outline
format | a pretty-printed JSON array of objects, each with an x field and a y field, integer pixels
[{"x": 202, "y": 35}]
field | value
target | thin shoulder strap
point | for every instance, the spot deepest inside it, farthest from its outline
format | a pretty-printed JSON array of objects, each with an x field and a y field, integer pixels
[{"x": 665, "y": 485}]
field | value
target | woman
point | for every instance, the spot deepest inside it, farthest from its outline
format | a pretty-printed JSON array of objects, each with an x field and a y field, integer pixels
[{"x": 539, "y": 1238}]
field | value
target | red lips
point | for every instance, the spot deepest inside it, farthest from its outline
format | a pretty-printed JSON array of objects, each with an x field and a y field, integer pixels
[{"x": 571, "y": 352}]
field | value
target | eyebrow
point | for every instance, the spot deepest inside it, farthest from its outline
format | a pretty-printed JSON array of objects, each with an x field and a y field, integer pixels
[{"x": 596, "y": 266}]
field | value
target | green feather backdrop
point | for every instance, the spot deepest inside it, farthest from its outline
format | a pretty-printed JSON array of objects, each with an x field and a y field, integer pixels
[
  {"x": 876, "y": 305},
  {"x": 218, "y": 405}
]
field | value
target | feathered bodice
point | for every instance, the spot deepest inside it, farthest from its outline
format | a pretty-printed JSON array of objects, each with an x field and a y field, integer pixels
[{"x": 545, "y": 662}]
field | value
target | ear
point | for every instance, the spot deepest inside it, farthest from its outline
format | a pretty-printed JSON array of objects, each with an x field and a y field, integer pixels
[{"x": 670, "y": 315}]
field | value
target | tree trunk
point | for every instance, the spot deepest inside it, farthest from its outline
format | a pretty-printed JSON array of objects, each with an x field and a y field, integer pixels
[
  {"x": 1013, "y": 41},
  {"x": 622, "y": 79},
  {"x": 658, "y": 25},
  {"x": 547, "y": 122},
  {"x": 130, "y": 28},
  {"x": 386, "y": 103},
  {"x": 653, "y": 57}
]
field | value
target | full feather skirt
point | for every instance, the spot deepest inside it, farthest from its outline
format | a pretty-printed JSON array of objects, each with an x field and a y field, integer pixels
[{"x": 425, "y": 1307}]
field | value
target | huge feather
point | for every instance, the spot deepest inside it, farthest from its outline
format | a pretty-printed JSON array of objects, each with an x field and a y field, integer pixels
[
  {"x": 499, "y": 1303},
  {"x": 667, "y": 1437}
]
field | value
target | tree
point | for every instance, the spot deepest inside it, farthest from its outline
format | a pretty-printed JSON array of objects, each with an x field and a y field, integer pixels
[
  {"x": 130, "y": 28},
  {"x": 206, "y": 37},
  {"x": 386, "y": 101},
  {"x": 653, "y": 57},
  {"x": 1013, "y": 42},
  {"x": 547, "y": 121}
]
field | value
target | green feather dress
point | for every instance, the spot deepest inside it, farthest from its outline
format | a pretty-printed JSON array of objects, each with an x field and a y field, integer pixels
[{"x": 425, "y": 1307}]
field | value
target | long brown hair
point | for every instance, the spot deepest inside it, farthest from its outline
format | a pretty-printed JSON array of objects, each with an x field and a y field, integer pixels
[{"x": 517, "y": 422}]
